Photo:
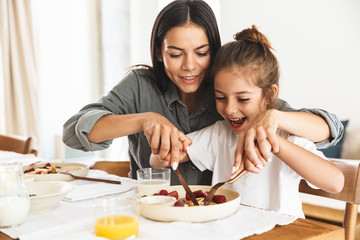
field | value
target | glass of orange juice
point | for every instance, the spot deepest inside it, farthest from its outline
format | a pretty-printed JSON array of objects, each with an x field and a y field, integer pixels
[{"x": 116, "y": 218}]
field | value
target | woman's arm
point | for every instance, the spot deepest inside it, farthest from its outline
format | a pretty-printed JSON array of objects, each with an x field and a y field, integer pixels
[
  {"x": 163, "y": 137},
  {"x": 132, "y": 106},
  {"x": 303, "y": 124},
  {"x": 311, "y": 167},
  {"x": 262, "y": 131},
  {"x": 112, "y": 126}
]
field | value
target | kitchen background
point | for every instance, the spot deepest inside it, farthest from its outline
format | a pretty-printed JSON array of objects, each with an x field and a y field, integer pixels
[{"x": 83, "y": 48}]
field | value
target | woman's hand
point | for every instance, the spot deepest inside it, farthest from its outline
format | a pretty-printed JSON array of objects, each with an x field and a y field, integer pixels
[
  {"x": 164, "y": 138},
  {"x": 257, "y": 142}
]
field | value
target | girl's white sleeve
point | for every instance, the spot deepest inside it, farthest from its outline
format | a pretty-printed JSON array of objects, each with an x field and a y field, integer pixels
[
  {"x": 204, "y": 148},
  {"x": 306, "y": 144}
]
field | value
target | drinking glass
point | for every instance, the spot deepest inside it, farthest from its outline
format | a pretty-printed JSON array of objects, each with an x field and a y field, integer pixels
[
  {"x": 116, "y": 218},
  {"x": 149, "y": 178}
]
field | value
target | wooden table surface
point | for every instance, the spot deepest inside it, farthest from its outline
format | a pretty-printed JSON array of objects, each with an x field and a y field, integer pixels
[{"x": 301, "y": 229}]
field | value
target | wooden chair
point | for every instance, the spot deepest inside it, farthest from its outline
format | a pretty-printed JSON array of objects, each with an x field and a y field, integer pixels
[
  {"x": 17, "y": 144},
  {"x": 118, "y": 168},
  {"x": 350, "y": 193}
]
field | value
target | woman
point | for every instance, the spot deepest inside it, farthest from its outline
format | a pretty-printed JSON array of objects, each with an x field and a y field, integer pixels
[{"x": 154, "y": 106}]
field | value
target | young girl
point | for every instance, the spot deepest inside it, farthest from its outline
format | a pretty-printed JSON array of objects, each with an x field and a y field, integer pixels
[{"x": 246, "y": 82}]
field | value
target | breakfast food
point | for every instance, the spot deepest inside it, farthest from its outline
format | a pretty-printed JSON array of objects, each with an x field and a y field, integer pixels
[
  {"x": 186, "y": 202},
  {"x": 46, "y": 169}
]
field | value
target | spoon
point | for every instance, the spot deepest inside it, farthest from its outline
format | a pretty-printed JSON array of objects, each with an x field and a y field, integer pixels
[
  {"x": 218, "y": 185},
  {"x": 90, "y": 179}
]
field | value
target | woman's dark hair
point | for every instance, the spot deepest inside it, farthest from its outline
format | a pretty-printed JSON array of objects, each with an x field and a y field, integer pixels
[
  {"x": 251, "y": 51},
  {"x": 178, "y": 13}
]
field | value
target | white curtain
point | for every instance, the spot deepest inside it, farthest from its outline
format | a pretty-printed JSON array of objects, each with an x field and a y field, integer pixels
[{"x": 18, "y": 72}]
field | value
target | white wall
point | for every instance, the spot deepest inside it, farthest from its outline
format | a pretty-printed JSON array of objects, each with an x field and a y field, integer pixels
[
  {"x": 318, "y": 49},
  {"x": 68, "y": 67},
  {"x": 317, "y": 43}
]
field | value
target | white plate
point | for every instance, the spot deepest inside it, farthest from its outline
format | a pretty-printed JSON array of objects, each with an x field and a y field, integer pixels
[
  {"x": 165, "y": 213},
  {"x": 78, "y": 169},
  {"x": 47, "y": 194}
]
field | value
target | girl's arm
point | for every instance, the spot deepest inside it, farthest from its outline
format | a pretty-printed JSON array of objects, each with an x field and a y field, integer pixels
[{"x": 311, "y": 167}]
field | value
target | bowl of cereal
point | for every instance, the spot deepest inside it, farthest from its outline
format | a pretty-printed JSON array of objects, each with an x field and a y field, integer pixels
[
  {"x": 52, "y": 171},
  {"x": 226, "y": 203}
]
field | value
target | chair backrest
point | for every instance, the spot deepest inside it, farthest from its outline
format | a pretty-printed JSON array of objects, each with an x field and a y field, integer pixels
[
  {"x": 121, "y": 169},
  {"x": 349, "y": 194},
  {"x": 17, "y": 144}
]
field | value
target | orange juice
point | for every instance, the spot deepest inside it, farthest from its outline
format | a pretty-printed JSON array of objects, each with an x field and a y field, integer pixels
[{"x": 117, "y": 227}]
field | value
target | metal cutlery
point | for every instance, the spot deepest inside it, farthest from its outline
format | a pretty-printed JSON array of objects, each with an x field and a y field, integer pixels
[
  {"x": 91, "y": 179},
  {"x": 218, "y": 185},
  {"x": 186, "y": 187}
]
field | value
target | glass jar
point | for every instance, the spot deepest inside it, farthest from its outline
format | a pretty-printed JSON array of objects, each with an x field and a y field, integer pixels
[{"x": 14, "y": 199}]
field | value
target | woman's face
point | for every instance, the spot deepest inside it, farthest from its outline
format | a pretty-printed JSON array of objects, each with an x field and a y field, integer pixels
[
  {"x": 186, "y": 56},
  {"x": 238, "y": 99}
]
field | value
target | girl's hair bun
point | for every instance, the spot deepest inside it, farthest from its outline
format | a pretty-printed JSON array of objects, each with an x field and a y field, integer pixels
[{"x": 252, "y": 35}]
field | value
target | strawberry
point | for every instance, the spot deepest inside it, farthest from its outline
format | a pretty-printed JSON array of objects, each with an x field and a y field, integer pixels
[
  {"x": 163, "y": 192},
  {"x": 219, "y": 198},
  {"x": 179, "y": 203},
  {"x": 174, "y": 194},
  {"x": 198, "y": 193}
]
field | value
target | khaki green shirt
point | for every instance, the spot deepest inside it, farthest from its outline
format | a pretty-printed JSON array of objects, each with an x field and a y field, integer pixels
[{"x": 137, "y": 93}]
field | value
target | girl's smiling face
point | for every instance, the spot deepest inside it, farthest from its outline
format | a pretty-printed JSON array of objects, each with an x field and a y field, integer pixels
[
  {"x": 186, "y": 56},
  {"x": 238, "y": 99}
]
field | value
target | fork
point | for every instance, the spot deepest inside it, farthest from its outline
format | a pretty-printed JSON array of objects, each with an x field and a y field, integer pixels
[{"x": 218, "y": 185}]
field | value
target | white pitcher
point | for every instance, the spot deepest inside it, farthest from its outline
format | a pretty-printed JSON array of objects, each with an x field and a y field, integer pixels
[{"x": 14, "y": 199}]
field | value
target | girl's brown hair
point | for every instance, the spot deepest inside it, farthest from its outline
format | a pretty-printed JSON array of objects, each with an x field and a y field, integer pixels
[{"x": 252, "y": 52}]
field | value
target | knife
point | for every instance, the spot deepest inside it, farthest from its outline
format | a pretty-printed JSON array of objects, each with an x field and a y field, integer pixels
[{"x": 186, "y": 187}]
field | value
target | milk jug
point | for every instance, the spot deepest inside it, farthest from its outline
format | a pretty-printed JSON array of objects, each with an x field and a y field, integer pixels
[{"x": 14, "y": 199}]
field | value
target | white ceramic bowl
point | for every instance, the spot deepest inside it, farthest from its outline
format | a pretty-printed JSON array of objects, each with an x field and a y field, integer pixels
[
  {"x": 47, "y": 194},
  {"x": 165, "y": 213},
  {"x": 158, "y": 200},
  {"x": 78, "y": 169}
]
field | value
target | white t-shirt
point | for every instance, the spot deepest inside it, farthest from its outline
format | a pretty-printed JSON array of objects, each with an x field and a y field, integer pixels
[{"x": 275, "y": 188}]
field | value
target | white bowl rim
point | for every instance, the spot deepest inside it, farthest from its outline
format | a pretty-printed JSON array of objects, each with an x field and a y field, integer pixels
[{"x": 70, "y": 185}]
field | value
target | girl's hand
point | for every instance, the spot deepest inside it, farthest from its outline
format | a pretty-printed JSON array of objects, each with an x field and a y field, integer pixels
[
  {"x": 257, "y": 142},
  {"x": 243, "y": 161},
  {"x": 259, "y": 139},
  {"x": 164, "y": 138}
]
